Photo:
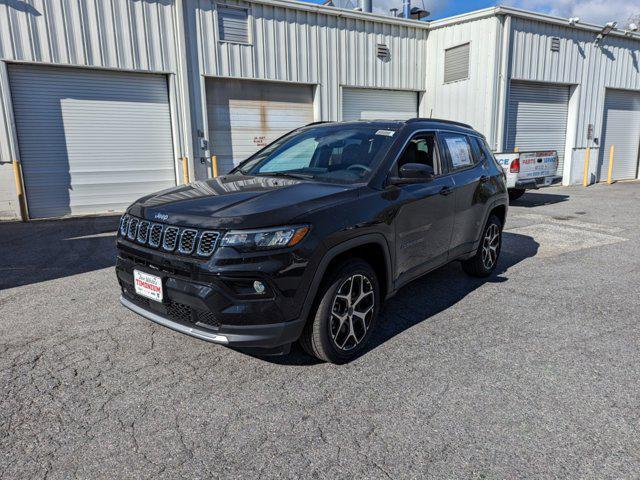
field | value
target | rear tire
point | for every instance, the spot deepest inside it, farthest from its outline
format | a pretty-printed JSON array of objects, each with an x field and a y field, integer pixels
[
  {"x": 515, "y": 193},
  {"x": 484, "y": 262},
  {"x": 346, "y": 313}
]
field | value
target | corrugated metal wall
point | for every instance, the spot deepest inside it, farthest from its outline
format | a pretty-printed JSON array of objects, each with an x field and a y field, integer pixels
[
  {"x": 612, "y": 64},
  {"x": 130, "y": 35},
  {"x": 472, "y": 100},
  {"x": 122, "y": 34},
  {"x": 294, "y": 45}
]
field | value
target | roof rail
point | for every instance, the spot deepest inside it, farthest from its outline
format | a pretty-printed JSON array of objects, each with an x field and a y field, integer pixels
[{"x": 440, "y": 120}]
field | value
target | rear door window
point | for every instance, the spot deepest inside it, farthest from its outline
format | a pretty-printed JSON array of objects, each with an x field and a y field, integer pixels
[
  {"x": 479, "y": 154},
  {"x": 458, "y": 150}
]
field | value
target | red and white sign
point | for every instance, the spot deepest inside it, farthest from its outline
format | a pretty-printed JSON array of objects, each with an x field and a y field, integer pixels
[{"x": 147, "y": 285}]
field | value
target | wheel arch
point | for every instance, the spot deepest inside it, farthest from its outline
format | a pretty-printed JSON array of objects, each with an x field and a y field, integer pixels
[
  {"x": 367, "y": 247},
  {"x": 498, "y": 207}
]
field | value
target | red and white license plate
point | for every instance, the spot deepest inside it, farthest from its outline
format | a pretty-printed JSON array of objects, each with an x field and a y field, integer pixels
[{"x": 149, "y": 286}]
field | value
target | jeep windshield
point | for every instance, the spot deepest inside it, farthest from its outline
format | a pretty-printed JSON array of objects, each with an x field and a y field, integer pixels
[{"x": 331, "y": 153}]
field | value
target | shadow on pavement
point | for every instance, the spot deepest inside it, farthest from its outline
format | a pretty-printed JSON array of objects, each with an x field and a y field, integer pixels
[
  {"x": 427, "y": 296},
  {"x": 45, "y": 250},
  {"x": 535, "y": 199}
]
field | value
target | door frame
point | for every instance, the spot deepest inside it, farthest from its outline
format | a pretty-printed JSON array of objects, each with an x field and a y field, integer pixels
[
  {"x": 209, "y": 151},
  {"x": 12, "y": 130},
  {"x": 419, "y": 95},
  {"x": 604, "y": 126}
]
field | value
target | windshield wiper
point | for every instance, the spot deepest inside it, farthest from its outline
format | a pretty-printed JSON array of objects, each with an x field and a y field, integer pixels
[{"x": 300, "y": 176}]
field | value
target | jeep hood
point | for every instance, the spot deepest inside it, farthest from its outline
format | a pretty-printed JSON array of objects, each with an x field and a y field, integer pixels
[{"x": 237, "y": 201}]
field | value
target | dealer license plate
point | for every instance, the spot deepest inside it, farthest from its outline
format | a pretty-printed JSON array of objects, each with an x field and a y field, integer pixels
[{"x": 149, "y": 286}]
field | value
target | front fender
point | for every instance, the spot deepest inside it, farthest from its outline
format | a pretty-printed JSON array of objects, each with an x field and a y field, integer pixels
[{"x": 336, "y": 250}]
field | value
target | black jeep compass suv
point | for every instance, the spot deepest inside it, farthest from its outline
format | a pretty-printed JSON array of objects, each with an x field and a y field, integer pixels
[{"x": 306, "y": 238}]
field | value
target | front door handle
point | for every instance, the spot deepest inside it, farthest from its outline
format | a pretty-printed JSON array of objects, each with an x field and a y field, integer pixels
[{"x": 445, "y": 190}]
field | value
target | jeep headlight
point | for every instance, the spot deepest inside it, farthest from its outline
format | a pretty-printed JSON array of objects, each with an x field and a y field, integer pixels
[{"x": 264, "y": 239}]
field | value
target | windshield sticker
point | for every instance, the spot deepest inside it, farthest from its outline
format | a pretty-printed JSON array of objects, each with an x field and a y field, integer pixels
[{"x": 386, "y": 133}]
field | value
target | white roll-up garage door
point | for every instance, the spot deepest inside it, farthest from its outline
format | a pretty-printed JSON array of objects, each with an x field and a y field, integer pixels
[
  {"x": 373, "y": 104},
  {"x": 245, "y": 115},
  {"x": 622, "y": 130},
  {"x": 90, "y": 141},
  {"x": 537, "y": 118}
]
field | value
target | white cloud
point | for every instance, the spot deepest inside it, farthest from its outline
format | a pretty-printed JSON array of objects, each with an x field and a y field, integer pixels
[{"x": 591, "y": 11}]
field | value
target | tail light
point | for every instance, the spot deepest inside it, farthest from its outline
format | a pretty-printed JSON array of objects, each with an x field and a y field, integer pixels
[{"x": 515, "y": 166}]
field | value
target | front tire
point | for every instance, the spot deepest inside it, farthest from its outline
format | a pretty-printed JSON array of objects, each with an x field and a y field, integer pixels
[
  {"x": 346, "y": 313},
  {"x": 484, "y": 262}
]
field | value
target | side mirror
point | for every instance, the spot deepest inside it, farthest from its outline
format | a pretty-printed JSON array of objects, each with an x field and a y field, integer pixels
[{"x": 413, "y": 173}]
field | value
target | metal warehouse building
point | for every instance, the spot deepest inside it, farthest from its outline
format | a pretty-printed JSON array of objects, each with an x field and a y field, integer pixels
[{"x": 103, "y": 101}]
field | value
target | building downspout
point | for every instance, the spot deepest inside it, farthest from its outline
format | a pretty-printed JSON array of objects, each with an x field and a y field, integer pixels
[
  {"x": 183, "y": 90},
  {"x": 503, "y": 84}
]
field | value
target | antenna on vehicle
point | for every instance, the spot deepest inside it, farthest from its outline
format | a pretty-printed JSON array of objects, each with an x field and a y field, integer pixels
[{"x": 431, "y": 114}]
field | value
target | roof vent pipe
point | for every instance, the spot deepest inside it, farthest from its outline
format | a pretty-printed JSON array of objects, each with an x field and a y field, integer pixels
[
  {"x": 365, "y": 5},
  {"x": 406, "y": 8}
]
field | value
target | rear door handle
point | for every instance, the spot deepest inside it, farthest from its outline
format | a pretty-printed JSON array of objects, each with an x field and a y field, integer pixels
[{"x": 445, "y": 191}]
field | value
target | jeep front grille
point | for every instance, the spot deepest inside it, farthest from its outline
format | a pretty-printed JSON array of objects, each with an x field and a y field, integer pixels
[
  {"x": 207, "y": 243},
  {"x": 170, "y": 238},
  {"x": 124, "y": 225},
  {"x": 133, "y": 228},
  {"x": 143, "y": 232},
  {"x": 187, "y": 241},
  {"x": 155, "y": 237}
]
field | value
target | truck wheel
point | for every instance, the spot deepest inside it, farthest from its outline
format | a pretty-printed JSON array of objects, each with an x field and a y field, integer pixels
[
  {"x": 486, "y": 258},
  {"x": 346, "y": 313},
  {"x": 515, "y": 193}
]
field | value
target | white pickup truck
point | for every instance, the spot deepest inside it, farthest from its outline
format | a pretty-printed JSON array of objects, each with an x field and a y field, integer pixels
[{"x": 527, "y": 170}]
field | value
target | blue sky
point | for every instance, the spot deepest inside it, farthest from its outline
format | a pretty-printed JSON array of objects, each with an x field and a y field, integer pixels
[
  {"x": 592, "y": 11},
  {"x": 454, "y": 8}
]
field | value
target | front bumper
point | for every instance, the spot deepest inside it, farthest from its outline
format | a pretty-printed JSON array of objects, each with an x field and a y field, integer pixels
[
  {"x": 216, "y": 307},
  {"x": 251, "y": 336}
]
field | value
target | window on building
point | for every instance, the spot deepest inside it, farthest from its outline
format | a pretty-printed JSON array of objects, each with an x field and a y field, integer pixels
[
  {"x": 456, "y": 63},
  {"x": 233, "y": 24}
]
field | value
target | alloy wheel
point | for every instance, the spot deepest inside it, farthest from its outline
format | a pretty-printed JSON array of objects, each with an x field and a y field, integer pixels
[
  {"x": 490, "y": 246},
  {"x": 351, "y": 312}
]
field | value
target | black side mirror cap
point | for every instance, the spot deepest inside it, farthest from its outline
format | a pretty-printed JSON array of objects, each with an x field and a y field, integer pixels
[{"x": 413, "y": 173}]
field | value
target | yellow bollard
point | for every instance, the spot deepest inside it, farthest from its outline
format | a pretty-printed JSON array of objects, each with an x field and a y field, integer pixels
[
  {"x": 609, "y": 181},
  {"x": 185, "y": 169},
  {"x": 516, "y": 150},
  {"x": 214, "y": 166},
  {"x": 585, "y": 179},
  {"x": 17, "y": 174}
]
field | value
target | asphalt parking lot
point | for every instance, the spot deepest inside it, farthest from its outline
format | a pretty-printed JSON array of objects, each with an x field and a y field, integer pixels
[{"x": 534, "y": 373}]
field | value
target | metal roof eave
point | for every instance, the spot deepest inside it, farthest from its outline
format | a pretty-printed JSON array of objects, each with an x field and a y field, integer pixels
[
  {"x": 529, "y": 15},
  {"x": 444, "y": 22}
]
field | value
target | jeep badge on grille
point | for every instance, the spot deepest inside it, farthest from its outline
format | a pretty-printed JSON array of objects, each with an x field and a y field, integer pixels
[{"x": 161, "y": 216}]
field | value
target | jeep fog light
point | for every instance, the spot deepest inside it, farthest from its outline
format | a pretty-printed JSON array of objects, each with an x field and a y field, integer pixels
[{"x": 259, "y": 287}]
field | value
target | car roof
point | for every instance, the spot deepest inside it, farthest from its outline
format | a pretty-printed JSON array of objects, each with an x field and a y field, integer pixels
[{"x": 417, "y": 123}]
